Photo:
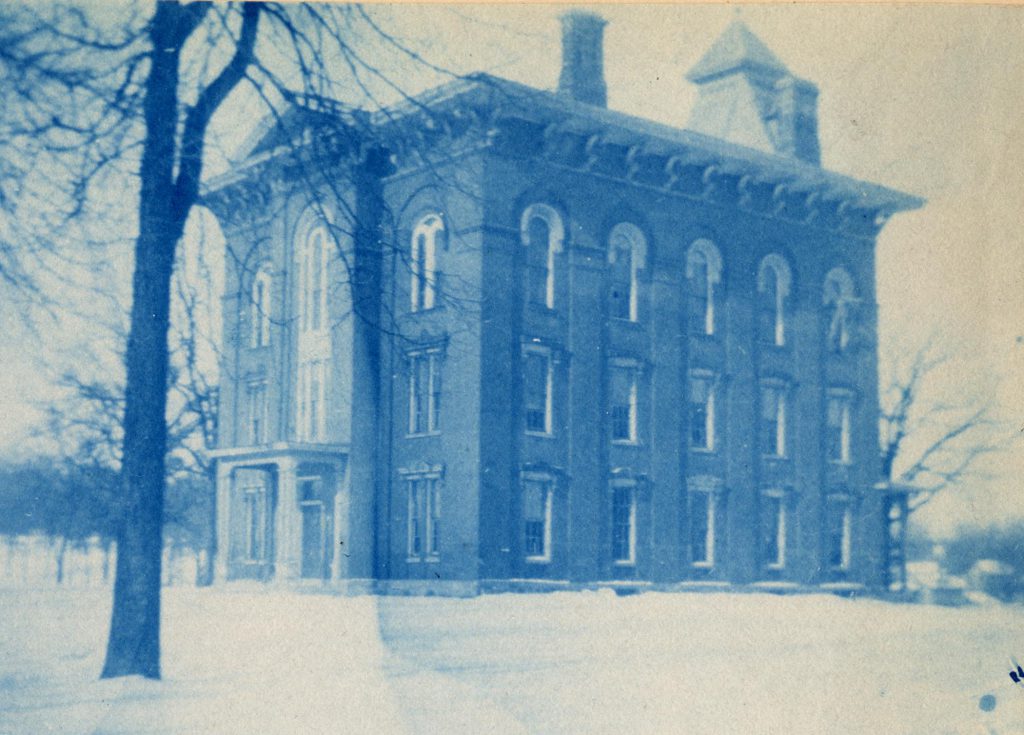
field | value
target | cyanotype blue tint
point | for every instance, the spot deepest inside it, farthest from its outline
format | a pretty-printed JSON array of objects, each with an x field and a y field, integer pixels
[
  {"x": 496, "y": 337},
  {"x": 602, "y": 349}
]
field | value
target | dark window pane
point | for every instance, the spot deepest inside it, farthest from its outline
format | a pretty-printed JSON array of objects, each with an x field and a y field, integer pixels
[
  {"x": 700, "y": 395},
  {"x": 539, "y": 235},
  {"x": 700, "y": 526},
  {"x": 536, "y": 390},
  {"x": 622, "y": 524},
  {"x": 698, "y": 293},
  {"x": 622, "y": 283},
  {"x": 771, "y": 525},
  {"x": 837, "y": 534}
]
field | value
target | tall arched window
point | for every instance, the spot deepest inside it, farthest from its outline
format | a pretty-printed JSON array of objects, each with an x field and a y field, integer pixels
[
  {"x": 314, "y": 344},
  {"x": 423, "y": 257},
  {"x": 773, "y": 285},
  {"x": 627, "y": 255},
  {"x": 703, "y": 271},
  {"x": 313, "y": 282},
  {"x": 542, "y": 233},
  {"x": 259, "y": 304},
  {"x": 838, "y": 297}
]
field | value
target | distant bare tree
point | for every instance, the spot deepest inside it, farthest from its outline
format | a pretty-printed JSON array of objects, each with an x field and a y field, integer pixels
[{"x": 929, "y": 443}]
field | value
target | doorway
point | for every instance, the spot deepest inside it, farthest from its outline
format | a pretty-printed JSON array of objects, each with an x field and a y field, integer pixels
[{"x": 313, "y": 527}]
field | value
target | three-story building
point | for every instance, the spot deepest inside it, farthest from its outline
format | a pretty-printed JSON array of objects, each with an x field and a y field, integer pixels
[{"x": 528, "y": 340}]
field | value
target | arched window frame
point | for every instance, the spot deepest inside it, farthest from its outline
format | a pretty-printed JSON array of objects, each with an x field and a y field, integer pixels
[
  {"x": 838, "y": 296},
  {"x": 556, "y": 238},
  {"x": 775, "y": 266},
  {"x": 423, "y": 261},
  {"x": 312, "y": 389},
  {"x": 259, "y": 304},
  {"x": 313, "y": 259},
  {"x": 713, "y": 272},
  {"x": 627, "y": 236}
]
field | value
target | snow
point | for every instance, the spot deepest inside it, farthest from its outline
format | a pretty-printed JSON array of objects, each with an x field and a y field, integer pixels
[{"x": 238, "y": 660}]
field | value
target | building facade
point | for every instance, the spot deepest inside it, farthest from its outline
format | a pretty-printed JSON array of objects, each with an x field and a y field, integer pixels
[{"x": 530, "y": 341}]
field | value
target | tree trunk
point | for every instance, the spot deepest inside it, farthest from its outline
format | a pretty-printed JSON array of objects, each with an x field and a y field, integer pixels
[{"x": 134, "y": 643}]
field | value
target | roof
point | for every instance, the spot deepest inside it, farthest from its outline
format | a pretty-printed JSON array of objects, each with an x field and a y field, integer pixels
[
  {"x": 550, "y": 108},
  {"x": 480, "y": 91},
  {"x": 737, "y": 48}
]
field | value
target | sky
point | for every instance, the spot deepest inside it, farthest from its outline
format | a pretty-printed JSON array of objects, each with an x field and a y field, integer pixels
[{"x": 921, "y": 98}]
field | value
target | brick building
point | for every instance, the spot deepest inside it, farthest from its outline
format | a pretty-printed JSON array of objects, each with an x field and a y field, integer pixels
[{"x": 559, "y": 345}]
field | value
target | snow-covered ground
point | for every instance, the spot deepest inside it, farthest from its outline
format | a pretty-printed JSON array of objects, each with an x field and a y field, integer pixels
[{"x": 573, "y": 662}]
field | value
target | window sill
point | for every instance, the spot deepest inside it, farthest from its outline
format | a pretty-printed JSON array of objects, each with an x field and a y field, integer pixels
[
  {"x": 775, "y": 457},
  {"x": 431, "y": 310},
  {"x": 704, "y": 450},
  {"x": 540, "y": 434},
  {"x": 624, "y": 563},
  {"x": 703, "y": 565},
  {"x": 626, "y": 442},
  {"x": 538, "y": 560},
  {"x": 841, "y": 462},
  {"x": 626, "y": 322},
  {"x": 423, "y": 434}
]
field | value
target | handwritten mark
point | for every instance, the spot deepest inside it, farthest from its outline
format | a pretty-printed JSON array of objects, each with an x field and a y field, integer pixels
[{"x": 1018, "y": 675}]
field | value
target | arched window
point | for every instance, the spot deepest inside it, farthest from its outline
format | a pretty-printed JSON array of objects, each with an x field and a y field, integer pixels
[
  {"x": 313, "y": 282},
  {"x": 703, "y": 271},
  {"x": 423, "y": 257},
  {"x": 627, "y": 255},
  {"x": 542, "y": 233},
  {"x": 260, "y": 306},
  {"x": 773, "y": 285},
  {"x": 314, "y": 345},
  {"x": 838, "y": 298}
]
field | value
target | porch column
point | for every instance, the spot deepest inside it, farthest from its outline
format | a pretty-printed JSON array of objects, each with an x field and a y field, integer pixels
[
  {"x": 286, "y": 526},
  {"x": 342, "y": 538},
  {"x": 223, "y": 529}
]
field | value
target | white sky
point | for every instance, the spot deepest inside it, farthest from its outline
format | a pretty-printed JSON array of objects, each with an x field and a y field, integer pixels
[{"x": 926, "y": 99}]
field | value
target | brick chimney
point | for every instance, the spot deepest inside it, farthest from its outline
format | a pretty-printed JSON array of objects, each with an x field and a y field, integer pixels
[{"x": 582, "y": 75}]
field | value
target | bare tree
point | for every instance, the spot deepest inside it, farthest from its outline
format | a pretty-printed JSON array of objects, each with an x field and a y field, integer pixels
[
  {"x": 927, "y": 442},
  {"x": 118, "y": 93}
]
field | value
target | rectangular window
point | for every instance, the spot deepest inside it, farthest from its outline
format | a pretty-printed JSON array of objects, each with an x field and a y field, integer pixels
[
  {"x": 837, "y": 428},
  {"x": 624, "y": 403},
  {"x": 423, "y": 530},
  {"x": 433, "y": 533},
  {"x": 255, "y": 525},
  {"x": 257, "y": 409},
  {"x": 537, "y": 518},
  {"x": 773, "y": 421},
  {"x": 623, "y": 524},
  {"x": 702, "y": 528},
  {"x": 537, "y": 391},
  {"x": 773, "y": 530},
  {"x": 702, "y": 412},
  {"x": 840, "y": 522},
  {"x": 415, "y": 539},
  {"x": 424, "y": 392}
]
